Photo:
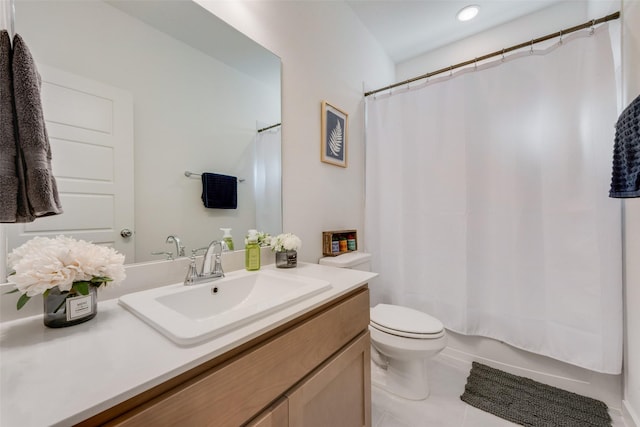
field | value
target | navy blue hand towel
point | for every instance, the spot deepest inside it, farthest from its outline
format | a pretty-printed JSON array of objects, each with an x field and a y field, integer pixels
[
  {"x": 219, "y": 191},
  {"x": 625, "y": 178}
]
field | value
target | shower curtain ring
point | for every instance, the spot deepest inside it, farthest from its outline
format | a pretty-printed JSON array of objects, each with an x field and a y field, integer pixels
[
  {"x": 502, "y": 55},
  {"x": 593, "y": 27},
  {"x": 451, "y": 71},
  {"x": 475, "y": 64},
  {"x": 531, "y": 49},
  {"x": 560, "y": 41}
]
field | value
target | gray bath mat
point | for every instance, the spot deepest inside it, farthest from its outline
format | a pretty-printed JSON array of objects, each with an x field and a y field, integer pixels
[{"x": 530, "y": 403}]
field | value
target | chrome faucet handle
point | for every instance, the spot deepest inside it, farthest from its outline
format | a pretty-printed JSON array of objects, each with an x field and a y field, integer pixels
[
  {"x": 207, "y": 268},
  {"x": 179, "y": 246},
  {"x": 217, "y": 265},
  {"x": 192, "y": 271}
]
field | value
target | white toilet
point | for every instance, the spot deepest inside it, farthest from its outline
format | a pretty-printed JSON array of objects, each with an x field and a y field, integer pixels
[{"x": 402, "y": 339}]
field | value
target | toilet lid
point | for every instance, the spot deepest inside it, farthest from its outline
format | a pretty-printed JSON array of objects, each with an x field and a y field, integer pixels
[{"x": 405, "y": 321}]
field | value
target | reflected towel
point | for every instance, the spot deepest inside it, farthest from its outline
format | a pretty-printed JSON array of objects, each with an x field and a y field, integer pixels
[
  {"x": 625, "y": 177},
  {"x": 33, "y": 141},
  {"x": 8, "y": 174},
  {"x": 219, "y": 191}
]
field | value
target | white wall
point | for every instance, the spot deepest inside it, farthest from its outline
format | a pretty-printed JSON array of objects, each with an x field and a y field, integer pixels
[
  {"x": 537, "y": 24},
  {"x": 191, "y": 112},
  {"x": 463, "y": 349},
  {"x": 326, "y": 54},
  {"x": 631, "y": 89}
]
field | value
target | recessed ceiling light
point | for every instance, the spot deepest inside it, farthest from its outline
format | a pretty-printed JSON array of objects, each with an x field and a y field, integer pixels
[{"x": 468, "y": 13}]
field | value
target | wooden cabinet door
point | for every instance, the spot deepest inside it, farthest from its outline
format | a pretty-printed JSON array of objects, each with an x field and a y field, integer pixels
[
  {"x": 275, "y": 416},
  {"x": 338, "y": 393}
]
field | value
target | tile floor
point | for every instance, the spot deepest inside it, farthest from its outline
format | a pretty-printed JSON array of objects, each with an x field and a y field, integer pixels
[{"x": 443, "y": 408}]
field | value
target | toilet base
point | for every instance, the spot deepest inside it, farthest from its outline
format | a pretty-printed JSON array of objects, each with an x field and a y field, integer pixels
[{"x": 405, "y": 379}]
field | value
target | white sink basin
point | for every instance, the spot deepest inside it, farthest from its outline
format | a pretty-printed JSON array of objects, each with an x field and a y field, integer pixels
[{"x": 192, "y": 314}]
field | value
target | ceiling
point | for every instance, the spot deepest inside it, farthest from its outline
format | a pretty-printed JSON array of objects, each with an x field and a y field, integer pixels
[
  {"x": 407, "y": 28},
  {"x": 237, "y": 51}
]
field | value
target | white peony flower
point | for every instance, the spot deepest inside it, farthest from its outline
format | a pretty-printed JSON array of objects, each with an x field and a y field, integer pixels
[
  {"x": 286, "y": 242},
  {"x": 43, "y": 263},
  {"x": 264, "y": 239}
]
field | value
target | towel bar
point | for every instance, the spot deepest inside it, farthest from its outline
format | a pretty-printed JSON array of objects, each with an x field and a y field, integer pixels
[{"x": 190, "y": 174}]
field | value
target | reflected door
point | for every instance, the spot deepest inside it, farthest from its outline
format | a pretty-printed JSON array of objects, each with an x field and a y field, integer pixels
[{"x": 90, "y": 127}]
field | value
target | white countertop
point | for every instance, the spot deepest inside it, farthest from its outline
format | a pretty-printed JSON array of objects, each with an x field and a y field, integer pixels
[{"x": 63, "y": 376}]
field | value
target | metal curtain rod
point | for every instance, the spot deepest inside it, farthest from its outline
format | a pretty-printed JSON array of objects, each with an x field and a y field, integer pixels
[
  {"x": 269, "y": 127},
  {"x": 531, "y": 42}
]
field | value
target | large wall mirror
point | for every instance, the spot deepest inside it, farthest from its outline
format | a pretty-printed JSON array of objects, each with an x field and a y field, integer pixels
[{"x": 197, "y": 92}]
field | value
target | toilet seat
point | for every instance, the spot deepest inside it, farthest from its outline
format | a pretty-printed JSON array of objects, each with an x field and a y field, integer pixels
[{"x": 405, "y": 322}]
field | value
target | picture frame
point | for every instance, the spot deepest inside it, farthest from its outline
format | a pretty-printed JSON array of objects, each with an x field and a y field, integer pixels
[{"x": 333, "y": 141}]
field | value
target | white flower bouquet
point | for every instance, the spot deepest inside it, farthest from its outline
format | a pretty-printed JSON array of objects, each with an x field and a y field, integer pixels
[
  {"x": 264, "y": 239},
  {"x": 285, "y": 242},
  {"x": 72, "y": 265}
]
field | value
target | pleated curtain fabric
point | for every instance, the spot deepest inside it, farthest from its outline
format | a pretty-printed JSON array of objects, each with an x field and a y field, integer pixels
[
  {"x": 487, "y": 202},
  {"x": 268, "y": 180}
]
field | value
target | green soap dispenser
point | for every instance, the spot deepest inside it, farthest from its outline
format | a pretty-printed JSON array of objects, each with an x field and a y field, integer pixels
[
  {"x": 252, "y": 252},
  {"x": 227, "y": 238}
]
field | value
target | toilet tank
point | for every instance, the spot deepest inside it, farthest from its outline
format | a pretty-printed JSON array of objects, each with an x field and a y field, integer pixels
[{"x": 354, "y": 260}]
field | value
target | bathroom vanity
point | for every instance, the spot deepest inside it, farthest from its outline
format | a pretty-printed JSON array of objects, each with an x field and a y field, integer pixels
[
  {"x": 315, "y": 368},
  {"x": 307, "y": 365}
]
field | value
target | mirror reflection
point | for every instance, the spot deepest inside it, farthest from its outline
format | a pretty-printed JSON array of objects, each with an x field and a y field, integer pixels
[{"x": 135, "y": 94}]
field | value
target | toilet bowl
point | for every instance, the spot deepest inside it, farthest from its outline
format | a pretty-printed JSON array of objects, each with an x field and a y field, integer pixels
[{"x": 402, "y": 339}]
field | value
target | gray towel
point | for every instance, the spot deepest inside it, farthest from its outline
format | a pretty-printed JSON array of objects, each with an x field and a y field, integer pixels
[
  {"x": 8, "y": 174},
  {"x": 34, "y": 151},
  {"x": 625, "y": 177}
]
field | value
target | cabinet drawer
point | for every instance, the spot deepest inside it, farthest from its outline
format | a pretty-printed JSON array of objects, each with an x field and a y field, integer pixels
[{"x": 232, "y": 393}]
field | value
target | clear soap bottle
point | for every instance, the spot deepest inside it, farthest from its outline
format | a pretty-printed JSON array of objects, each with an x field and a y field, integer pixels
[
  {"x": 252, "y": 252},
  {"x": 227, "y": 239}
]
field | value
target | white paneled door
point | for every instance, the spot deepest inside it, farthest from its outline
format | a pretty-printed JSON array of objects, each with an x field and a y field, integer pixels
[{"x": 90, "y": 128}]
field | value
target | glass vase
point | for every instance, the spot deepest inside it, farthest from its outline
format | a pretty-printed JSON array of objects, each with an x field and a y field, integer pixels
[
  {"x": 68, "y": 308},
  {"x": 286, "y": 259}
]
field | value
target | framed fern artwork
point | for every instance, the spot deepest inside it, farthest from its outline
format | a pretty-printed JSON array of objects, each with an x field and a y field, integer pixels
[{"x": 333, "y": 146}]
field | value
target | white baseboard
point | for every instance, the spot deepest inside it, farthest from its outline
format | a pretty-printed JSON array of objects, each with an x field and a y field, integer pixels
[{"x": 629, "y": 415}]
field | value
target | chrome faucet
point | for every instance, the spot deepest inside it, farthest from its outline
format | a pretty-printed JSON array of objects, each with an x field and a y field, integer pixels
[
  {"x": 207, "y": 272},
  {"x": 216, "y": 270},
  {"x": 179, "y": 246}
]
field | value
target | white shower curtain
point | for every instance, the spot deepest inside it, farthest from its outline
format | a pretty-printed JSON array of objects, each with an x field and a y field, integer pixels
[
  {"x": 487, "y": 207},
  {"x": 268, "y": 181}
]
